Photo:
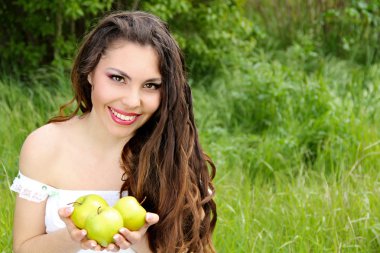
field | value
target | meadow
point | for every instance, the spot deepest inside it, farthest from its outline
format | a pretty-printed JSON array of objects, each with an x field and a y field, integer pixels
[{"x": 295, "y": 139}]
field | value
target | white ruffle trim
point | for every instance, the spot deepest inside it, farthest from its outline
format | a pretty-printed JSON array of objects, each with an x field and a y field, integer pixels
[{"x": 31, "y": 189}]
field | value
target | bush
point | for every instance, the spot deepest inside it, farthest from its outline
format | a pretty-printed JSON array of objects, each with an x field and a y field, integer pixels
[
  {"x": 347, "y": 29},
  {"x": 275, "y": 116},
  {"x": 215, "y": 35},
  {"x": 36, "y": 33}
]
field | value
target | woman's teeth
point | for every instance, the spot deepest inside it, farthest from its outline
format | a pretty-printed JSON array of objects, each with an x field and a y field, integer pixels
[{"x": 123, "y": 117}]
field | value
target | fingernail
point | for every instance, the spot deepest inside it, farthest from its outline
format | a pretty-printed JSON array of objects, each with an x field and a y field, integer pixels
[
  {"x": 84, "y": 232},
  {"x": 148, "y": 216},
  {"x": 93, "y": 244},
  {"x": 116, "y": 237},
  {"x": 69, "y": 209},
  {"x": 122, "y": 230}
]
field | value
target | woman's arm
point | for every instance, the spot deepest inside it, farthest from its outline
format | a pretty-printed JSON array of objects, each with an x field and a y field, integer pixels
[{"x": 29, "y": 231}]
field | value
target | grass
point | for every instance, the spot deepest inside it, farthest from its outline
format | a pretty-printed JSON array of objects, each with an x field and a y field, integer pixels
[
  {"x": 297, "y": 146},
  {"x": 296, "y": 143},
  {"x": 22, "y": 109},
  {"x": 304, "y": 211},
  {"x": 6, "y": 211},
  {"x": 307, "y": 213}
]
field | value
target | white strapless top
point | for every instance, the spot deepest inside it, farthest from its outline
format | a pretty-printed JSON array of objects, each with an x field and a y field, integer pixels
[{"x": 36, "y": 191}]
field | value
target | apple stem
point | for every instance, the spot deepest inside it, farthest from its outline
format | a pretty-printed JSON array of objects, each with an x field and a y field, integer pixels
[
  {"x": 75, "y": 202},
  {"x": 99, "y": 209},
  {"x": 143, "y": 200}
]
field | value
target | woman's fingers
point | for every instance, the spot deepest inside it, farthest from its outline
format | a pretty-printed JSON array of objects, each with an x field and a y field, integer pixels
[
  {"x": 150, "y": 219},
  {"x": 64, "y": 214},
  {"x": 124, "y": 240},
  {"x": 112, "y": 247},
  {"x": 75, "y": 233},
  {"x": 121, "y": 240},
  {"x": 90, "y": 244},
  {"x": 132, "y": 237}
]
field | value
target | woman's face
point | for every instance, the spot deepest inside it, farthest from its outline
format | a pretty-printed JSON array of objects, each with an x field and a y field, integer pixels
[{"x": 126, "y": 87}]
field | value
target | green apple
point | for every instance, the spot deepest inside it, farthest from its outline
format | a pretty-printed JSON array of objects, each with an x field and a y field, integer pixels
[
  {"x": 103, "y": 225},
  {"x": 132, "y": 212},
  {"x": 84, "y": 207}
]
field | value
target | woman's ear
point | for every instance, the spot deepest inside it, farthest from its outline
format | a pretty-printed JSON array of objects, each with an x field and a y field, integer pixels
[{"x": 89, "y": 78}]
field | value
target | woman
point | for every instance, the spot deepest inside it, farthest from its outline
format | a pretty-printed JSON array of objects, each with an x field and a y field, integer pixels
[{"x": 136, "y": 135}]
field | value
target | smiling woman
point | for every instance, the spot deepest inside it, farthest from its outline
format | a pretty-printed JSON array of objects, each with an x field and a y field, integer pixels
[
  {"x": 122, "y": 88},
  {"x": 135, "y": 135}
]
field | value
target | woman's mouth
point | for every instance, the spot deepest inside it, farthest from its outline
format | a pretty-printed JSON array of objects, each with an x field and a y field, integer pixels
[{"x": 122, "y": 117}]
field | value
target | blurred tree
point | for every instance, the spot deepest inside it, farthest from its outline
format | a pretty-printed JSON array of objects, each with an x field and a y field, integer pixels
[
  {"x": 344, "y": 28},
  {"x": 35, "y": 33},
  {"x": 214, "y": 34}
]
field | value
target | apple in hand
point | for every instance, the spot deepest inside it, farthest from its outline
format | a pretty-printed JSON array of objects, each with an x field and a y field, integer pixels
[
  {"x": 86, "y": 206},
  {"x": 132, "y": 212},
  {"x": 103, "y": 225}
]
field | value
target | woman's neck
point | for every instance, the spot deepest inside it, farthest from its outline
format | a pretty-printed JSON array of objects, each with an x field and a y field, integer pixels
[{"x": 97, "y": 137}]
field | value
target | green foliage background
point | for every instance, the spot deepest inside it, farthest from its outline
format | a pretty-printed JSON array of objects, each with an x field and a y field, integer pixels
[
  {"x": 286, "y": 95},
  {"x": 213, "y": 34}
]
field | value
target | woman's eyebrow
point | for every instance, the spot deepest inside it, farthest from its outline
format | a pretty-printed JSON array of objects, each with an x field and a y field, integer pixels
[
  {"x": 154, "y": 80},
  {"x": 122, "y": 73}
]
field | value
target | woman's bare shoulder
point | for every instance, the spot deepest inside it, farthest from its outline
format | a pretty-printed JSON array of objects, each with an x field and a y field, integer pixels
[{"x": 41, "y": 148}]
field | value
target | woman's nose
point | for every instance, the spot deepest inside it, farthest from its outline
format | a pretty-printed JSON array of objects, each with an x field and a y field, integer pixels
[{"x": 131, "y": 98}]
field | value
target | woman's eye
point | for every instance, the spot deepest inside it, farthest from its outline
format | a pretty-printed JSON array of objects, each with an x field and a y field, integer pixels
[
  {"x": 117, "y": 78},
  {"x": 153, "y": 86}
]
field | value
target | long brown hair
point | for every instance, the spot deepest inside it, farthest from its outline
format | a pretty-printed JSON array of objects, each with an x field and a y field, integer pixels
[{"x": 164, "y": 162}]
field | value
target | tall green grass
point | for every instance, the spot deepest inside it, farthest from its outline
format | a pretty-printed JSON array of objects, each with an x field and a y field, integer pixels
[
  {"x": 24, "y": 106},
  {"x": 295, "y": 139},
  {"x": 297, "y": 147}
]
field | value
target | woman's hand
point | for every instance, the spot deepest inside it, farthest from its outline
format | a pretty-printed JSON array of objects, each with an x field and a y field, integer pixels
[
  {"x": 126, "y": 238},
  {"x": 79, "y": 235}
]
